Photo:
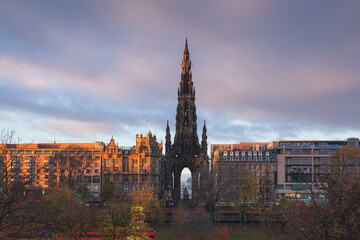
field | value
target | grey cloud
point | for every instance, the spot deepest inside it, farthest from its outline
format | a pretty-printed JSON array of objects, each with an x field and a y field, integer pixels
[{"x": 254, "y": 61}]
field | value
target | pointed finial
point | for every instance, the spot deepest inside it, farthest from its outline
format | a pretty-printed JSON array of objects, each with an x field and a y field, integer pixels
[{"x": 186, "y": 51}]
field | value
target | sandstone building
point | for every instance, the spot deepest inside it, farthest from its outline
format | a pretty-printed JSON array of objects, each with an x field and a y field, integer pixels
[{"x": 84, "y": 165}]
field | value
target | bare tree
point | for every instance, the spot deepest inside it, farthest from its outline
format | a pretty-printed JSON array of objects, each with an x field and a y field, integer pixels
[
  {"x": 266, "y": 185},
  {"x": 334, "y": 209},
  {"x": 13, "y": 182},
  {"x": 68, "y": 167},
  {"x": 217, "y": 187}
]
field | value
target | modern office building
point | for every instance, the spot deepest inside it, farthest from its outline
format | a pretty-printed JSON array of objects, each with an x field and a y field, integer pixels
[{"x": 300, "y": 165}]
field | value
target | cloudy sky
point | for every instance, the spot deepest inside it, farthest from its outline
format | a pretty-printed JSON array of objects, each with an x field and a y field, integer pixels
[{"x": 82, "y": 71}]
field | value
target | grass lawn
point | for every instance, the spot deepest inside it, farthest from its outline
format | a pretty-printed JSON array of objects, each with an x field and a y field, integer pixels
[
  {"x": 236, "y": 232},
  {"x": 248, "y": 233}
]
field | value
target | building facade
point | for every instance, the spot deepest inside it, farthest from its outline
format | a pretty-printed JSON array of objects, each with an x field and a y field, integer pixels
[
  {"x": 296, "y": 166},
  {"x": 84, "y": 165},
  {"x": 233, "y": 163},
  {"x": 134, "y": 168},
  {"x": 300, "y": 165},
  {"x": 47, "y": 166}
]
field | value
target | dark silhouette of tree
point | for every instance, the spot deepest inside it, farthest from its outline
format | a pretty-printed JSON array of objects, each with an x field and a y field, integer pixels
[
  {"x": 68, "y": 167},
  {"x": 15, "y": 185}
]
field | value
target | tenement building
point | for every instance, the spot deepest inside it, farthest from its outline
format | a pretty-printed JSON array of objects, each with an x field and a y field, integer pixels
[
  {"x": 233, "y": 163},
  {"x": 84, "y": 166},
  {"x": 133, "y": 168}
]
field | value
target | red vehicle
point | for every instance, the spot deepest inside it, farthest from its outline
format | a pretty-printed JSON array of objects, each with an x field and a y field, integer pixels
[{"x": 151, "y": 235}]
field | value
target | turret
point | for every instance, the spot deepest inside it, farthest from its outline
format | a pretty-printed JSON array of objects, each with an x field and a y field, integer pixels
[
  {"x": 167, "y": 138},
  {"x": 204, "y": 140}
]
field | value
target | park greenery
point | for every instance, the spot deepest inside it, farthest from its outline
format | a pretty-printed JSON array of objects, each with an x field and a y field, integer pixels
[{"x": 332, "y": 212}]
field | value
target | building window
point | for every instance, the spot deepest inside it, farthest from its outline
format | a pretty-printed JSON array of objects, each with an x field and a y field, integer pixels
[
  {"x": 116, "y": 169},
  {"x": 87, "y": 179},
  {"x": 96, "y": 179},
  {"x": 126, "y": 187},
  {"x": 96, "y": 170},
  {"x": 116, "y": 178},
  {"x": 96, "y": 187}
]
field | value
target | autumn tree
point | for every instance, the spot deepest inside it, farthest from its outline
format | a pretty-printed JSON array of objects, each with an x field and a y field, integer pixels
[
  {"x": 151, "y": 206},
  {"x": 249, "y": 189},
  {"x": 107, "y": 190},
  {"x": 115, "y": 222},
  {"x": 68, "y": 216},
  {"x": 334, "y": 209}
]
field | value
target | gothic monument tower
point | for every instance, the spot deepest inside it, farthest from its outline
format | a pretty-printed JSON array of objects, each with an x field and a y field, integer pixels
[{"x": 186, "y": 150}]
